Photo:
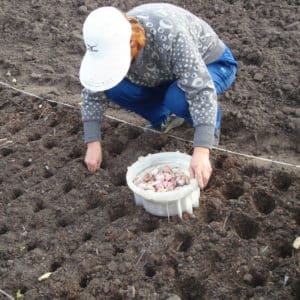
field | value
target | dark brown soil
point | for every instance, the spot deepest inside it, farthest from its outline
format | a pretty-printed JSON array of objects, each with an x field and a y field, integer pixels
[
  {"x": 85, "y": 229},
  {"x": 41, "y": 47},
  {"x": 56, "y": 217}
]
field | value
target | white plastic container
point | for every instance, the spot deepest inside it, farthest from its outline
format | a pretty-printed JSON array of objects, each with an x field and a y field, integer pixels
[{"x": 164, "y": 204}]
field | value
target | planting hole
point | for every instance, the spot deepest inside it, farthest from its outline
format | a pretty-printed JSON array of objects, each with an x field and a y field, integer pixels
[
  {"x": 39, "y": 205},
  {"x": 23, "y": 289},
  {"x": 84, "y": 281},
  {"x": 118, "y": 177},
  {"x": 296, "y": 289},
  {"x": 75, "y": 129},
  {"x": 75, "y": 153},
  {"x": 117, "y": 250},
  {"x": 15, "y": 129},
  {"x": 6, "y": 151},
  {"x": 121, "y": 181},
  {"x": 264, "y": 202},
  {"x": 34, "y": 137},
  {"x": 285, "y": 249},
  {"x": 50, "y": 144},
  {"x": 31, "y": 246},
  {"x": 68, "y": 187},
  {"x": 251, "y": 170},
  {"x": 86, "y": 237},
  {"x": 27, "y": 163},
  {"x": 115, "y": 147},
  {"x": 47, "y": 173},
  {"x": 282, "y": 181},
  {"x": 64, "y": 221},
  {"x": 234, "y": 190},
  {"x": 3, "y": 229},
  {"x": 245, "y": 227},
  {"x": 64, "y": 295},
  {"x": 149, "y": 270},
  {"x": 36, "y": 116},
  {"x": 117, "y": 212},
  {"x": 17, "y": 193},
  {"x": 211, "y": 210},
  {"x": 53, "y": 123},
  {"x": 56, "y": 265},
  {"x": 184, "y": 241},
  {"x": 157, "y": 141},
  {"x": 192, "y": 288},
  {"x": 150, "y": 225},
  {"x": 220, "y": 160},
  {"x": 92, "y": 200},
  {"x": 53, "y": 104},
  {"x": 297, "y": 216},
  {"x": 258, "y": 278},
  {"x": 133, "y": 133}
]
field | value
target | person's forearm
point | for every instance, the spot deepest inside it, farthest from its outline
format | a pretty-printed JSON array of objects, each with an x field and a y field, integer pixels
[
  {"x": 91, "y": 131},
  {"x": 204, "y": 136},
  {"x": 93, "y": 107}
]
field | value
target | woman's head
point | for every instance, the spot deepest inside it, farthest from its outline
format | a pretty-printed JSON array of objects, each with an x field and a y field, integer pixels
[
  {"x": 112, "y": 40},
  {"x": 107, "y": 36}
]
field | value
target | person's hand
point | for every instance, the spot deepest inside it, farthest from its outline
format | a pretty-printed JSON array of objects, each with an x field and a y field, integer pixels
[
  {"x": 93, "y": 156},
  {"x": 200, "y": 167}
]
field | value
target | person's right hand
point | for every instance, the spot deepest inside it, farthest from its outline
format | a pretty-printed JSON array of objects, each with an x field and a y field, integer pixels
[{"x": 93, "y": 156}]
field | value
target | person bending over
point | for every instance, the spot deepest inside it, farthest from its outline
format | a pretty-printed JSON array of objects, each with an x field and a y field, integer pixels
[{"x": 159, "y": 61}]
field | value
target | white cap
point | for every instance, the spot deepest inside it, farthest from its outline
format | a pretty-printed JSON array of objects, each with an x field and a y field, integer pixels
[{"x": 106, "y": 34}]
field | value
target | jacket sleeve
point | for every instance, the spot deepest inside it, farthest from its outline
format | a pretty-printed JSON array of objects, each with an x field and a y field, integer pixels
[
  {"x": 92, "y": 110},
  {"x": 194, "y": 79}
]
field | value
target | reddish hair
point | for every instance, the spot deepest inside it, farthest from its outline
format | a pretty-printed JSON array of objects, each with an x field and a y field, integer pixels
[{"x": 138, "y": 36}]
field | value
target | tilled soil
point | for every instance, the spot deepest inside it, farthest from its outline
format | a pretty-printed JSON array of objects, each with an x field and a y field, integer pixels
[
  {"x": 85, "y": 229},
  {"x": 41, "y": 50}
]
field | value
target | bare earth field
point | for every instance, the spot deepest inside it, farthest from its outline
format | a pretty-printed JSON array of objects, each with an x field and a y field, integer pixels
[{"x": 85, "y": 229}]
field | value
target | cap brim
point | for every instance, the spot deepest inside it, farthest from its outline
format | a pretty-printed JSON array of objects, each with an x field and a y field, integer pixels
[{"x": 100, "y": 73}]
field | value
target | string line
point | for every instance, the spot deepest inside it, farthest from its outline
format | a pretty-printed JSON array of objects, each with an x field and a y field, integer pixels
[{"x": 140, "y": 127}]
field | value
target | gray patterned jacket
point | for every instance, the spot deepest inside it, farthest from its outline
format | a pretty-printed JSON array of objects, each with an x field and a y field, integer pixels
[{"x": 179, "y": 46}]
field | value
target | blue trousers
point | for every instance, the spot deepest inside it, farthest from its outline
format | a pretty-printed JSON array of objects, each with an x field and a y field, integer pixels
[{"x": 156, "y": 103}]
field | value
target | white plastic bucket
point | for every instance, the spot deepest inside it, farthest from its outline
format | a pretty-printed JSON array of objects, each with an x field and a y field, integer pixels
[{"x": 164, "y": 203}]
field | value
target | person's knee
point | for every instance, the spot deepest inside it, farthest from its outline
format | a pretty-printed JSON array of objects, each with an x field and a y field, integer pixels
[
  {"x": 111, "y": 94},
  {"x": 231, "y": 77},
  {"x": 115, "y": 92},
  {"x": 128, "y": 90}
]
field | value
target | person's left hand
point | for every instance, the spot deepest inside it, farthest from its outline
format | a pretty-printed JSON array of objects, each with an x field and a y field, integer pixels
[{"x": 200, "y": 167}]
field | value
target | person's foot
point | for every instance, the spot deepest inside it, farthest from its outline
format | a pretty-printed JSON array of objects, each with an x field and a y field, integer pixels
[{"x": 170, "y": 123}]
